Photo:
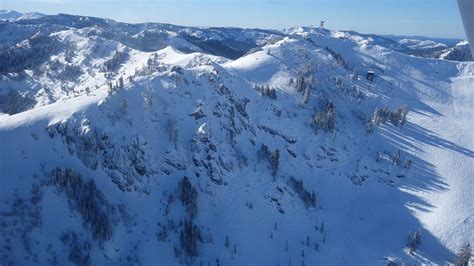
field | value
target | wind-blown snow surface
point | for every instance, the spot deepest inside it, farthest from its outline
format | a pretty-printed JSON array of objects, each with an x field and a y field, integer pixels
[{"x": 198, "y": 113}]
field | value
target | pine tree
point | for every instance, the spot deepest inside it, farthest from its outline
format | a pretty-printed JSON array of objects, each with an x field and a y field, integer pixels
[
  {"x": 414, "y": 240},
  {"x": 464, "y": 256},
  {"x": 123, "y": 106},
  {"x": 120, "y": 83},
  {"x": 275, "y": 161},
  {"x": 307, "y": 94}
]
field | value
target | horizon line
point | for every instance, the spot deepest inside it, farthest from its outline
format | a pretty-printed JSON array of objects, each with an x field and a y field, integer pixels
[{"x": 386, "y": 35}]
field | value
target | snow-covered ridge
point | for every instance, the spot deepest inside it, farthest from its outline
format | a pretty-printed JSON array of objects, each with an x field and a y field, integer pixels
[
  {"x": 422, "y": 44},
  {"x": 160, "y": 144},
  {"x": 10, "y": 15}
]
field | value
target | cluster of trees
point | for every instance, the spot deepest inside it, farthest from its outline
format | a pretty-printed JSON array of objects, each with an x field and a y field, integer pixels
[
  {"x": 147, "y": 95},
  {"x": 55, "y": 66},
  {"x": 395, "y": 159},
  {"x": 191, "y": 234},
  {"x": 88, "y": 200},
  {"x": 70, "y": 72},
  {"x": 18, "y": 222},
  {"x": 339, "y": 59},
  {"x": 267, "y": 91},
  {"x": 304, "y": 85},
  {"x": 115, "y": 62},
  {"x": 189, "y": 237},
  {"x": 397, "y": 117},
  {"x": 325, "y": 120},
  {"x": 352, "y": 91},
  {"x": 241, "y": 106},
  {"x": 78, "y": 250},
  {"x": 228, "y": 245},
  {"x": 300, "y": 84},
  {"x": 309, "y": 198},
  {"x": 188, "y": 195},
  {"x": 13, "y": 102},
  {"x": 153, "y": 64},
  {"x": 18, "y": 58},
  {"x": 153, "y": 60},
  {"x": 273, "y": 157},
  {"x": 162, "y": 234},
  {"x": 64, "y": 71},
  {"x": 119, "y": 84}
]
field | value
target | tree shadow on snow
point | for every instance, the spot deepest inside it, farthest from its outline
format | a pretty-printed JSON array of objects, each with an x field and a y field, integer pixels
[
  {"x": 382, "y": 213},
  {"x": 421, "y": 177},
  {"x": 428, "y": 137}
]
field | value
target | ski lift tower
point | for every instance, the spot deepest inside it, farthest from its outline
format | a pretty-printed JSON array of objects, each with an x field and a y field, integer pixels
[{"x": 467, "y": 13}]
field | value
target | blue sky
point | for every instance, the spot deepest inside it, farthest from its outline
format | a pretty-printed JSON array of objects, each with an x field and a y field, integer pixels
[{"x": 434, "y": 18}]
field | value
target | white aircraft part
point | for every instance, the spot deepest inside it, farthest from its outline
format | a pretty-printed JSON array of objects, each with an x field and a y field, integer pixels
[{"x": 467, "y": 13}]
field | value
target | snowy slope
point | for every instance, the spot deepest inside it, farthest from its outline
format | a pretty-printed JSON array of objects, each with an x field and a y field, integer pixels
[
  {"x": 453, "y": 155},
  {"x": 100, "y": 129}
]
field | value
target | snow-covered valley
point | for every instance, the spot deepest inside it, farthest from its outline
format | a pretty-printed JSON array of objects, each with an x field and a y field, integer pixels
[{"x": 157, "y": 144}]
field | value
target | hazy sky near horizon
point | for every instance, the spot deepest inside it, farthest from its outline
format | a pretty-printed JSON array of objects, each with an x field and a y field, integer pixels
[{"x": 434, "y": 18}]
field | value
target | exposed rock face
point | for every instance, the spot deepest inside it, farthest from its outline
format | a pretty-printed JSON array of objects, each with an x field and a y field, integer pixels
[{"x": 124, "y": 163}]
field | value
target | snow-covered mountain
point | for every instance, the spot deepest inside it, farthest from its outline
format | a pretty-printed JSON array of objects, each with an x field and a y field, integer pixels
[
  {"x": 459, "y": 52},
  {"x": 448, "y": 49},
  {"x": 157, "y": 144},
  {"x": 422, "y": 44},
  {"x": 11, "y": 15}
]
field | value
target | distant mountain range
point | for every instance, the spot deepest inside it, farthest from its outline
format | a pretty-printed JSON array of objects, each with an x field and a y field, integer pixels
[{"x": 14, "y": 15}]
